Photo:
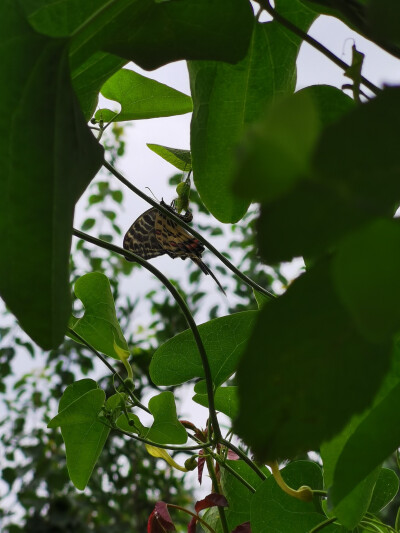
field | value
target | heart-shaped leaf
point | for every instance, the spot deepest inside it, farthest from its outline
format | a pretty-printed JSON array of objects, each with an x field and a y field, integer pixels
[
  {"x": 84, "y": 436},
  {"x": 178, "y": 360},
  {"x": 99, "y": 325},
  {"x": 141, "y": 98}
]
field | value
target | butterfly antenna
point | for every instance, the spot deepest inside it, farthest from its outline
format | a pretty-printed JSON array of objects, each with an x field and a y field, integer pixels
[
  {"x": 154, "y": 196},
  {"x": 208, "y": 271}
]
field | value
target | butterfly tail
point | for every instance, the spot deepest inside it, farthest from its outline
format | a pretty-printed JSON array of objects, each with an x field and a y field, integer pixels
[{"x": 207, "y": 271}]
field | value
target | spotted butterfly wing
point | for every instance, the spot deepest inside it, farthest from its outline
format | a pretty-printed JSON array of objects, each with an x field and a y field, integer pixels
[
  {"x": 141, "y": 237},
  {"x": 153, "y": 234}
]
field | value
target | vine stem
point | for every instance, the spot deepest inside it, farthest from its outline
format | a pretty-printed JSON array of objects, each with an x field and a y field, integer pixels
[
  {"x": 192, "y": 231},
  {"x": 265, "y": 4},
  {"x": 217, "y": 488},
  {"x": 156, "y": 444},
  {"x": 134, "y": 398},
  {"x": 223, "y": 463},
  {"x": 185, "y": 310},
  {"x": 230, "y": 470},
  {"x": 243, "y": 456}
]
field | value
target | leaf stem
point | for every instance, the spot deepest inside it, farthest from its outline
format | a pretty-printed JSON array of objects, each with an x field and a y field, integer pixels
[
  {"x": 217, "y": 488},
  {"x": 243, "y": 456},
  {"x": 203, "y": 522},
  {"x": 304, "y": 493},
  {"x": 230, "y": 470},
  {"x": 134, "y": 398},
  {"x": 222, "y": 463},
  {"x": 324, "y": 524},
  {"x": 313, "y": 42},
  {"x": 185, "y": 310},
  {"x": 192, "y": 231},
  {"x": 322, "y": 493},
  {"x": 371, "y": 518}
]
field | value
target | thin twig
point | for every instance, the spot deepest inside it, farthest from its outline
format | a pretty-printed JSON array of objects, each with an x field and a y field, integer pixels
[
  {"x": 217, "y": 489},
  {"x": 134, "y": 398},
  {"x": 230, "y": 470},
  {"x": 222, "y": 463},
  {"x": 185, "y": 310},
  {"x": 243, "y": 456},
  {"x": 192, "y": 231},
  {"x": 313, "y": 42},
  {"x": 203, "y": 522},
  {"x": 324, "y": 524}
]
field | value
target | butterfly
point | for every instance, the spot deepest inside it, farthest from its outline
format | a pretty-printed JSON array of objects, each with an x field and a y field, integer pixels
[{"x": 153, "y": 234}]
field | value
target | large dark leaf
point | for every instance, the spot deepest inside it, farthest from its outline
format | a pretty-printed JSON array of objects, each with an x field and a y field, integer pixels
[
  {"x": 277, "y": 150},
  {"x": 376, "y": 437},
  {"x": 372, "y": 253},
  {"x": 378, "y": 24},
  {"x": 48, "y": 156},
  {"x": 178, "y": 360},
  {"x": 355, "y": 177},
  {"x": 150, "y": 33},
  {"x": 304, "y": 352},
  {"x": 352, "y": 508},
  {"x": 89, "y": 77},
  {"x": 227, "y": 98}
]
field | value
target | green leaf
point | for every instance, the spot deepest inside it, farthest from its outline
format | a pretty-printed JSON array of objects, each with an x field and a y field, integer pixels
[
  {"x": 261, "y": 299},
  {"x": 227, "y": 98},
  {"x": 136, "y": 427},
  {"x": 148, "y": 33},
  {"x": 386, "y": 488},
  {"x": 83, "y": 410},
  {"x": 383, "y": 18},
  {"x": 352, "y": 508},
  {"x": 277, "y": 150},
  {"x": 303, "y": 349},
  {"x": 238, "y": 496},
  {"x": 376, "y": 437},
  {"x": 141, "y": 97},
  {"x": 366, "y": 17},
  {"x": 41, "y": 181},
  {"x": 371, "y": 253},
  {"x": 166, "y": 428},
  {"x": 226, "y": 400},
  {"x": 90, "y": 76},
  {"x": 99, "y": 325},
  {"x": 178, "y": 360},
  {"x": 83, "y": 441},
  {"x": 88, "y": 224},
  {"x": 181, "y": 159},
  {"x": 346, "y": 191},
  {"x": 275, "y": 511}
]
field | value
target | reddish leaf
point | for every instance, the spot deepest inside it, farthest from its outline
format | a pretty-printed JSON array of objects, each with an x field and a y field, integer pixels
[
  {"x": 212, "y": 500},
  {"x": 232, "y": 456},
  {"x": 192, "y": 525},
  {"x": 200, "y": 466},
  {"x": 188, "y": 425},
  {"x": 160, "y": 520},
  {"x": 243, "y": 528}
]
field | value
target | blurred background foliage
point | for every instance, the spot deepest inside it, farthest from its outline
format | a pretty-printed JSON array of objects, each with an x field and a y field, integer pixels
[{"x": 37, "y": 495}]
